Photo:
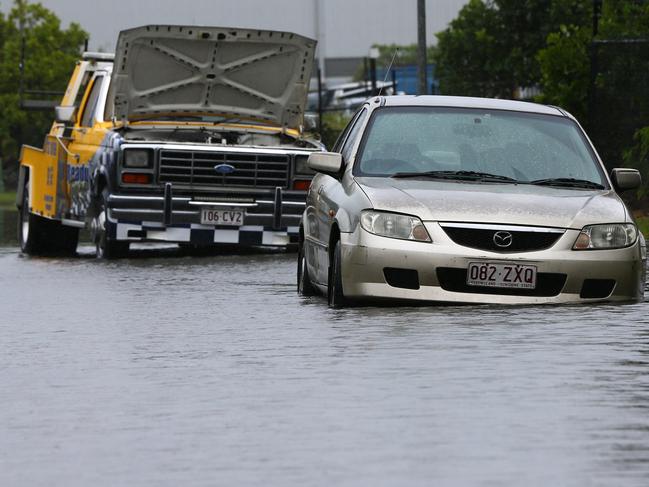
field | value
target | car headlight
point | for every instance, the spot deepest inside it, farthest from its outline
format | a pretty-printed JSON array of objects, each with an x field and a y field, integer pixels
[
  {"x": 140, "y": 158},
  {"x": 301, "y": 166},
  {"x": 606, "y": 236},
  {"x": 394, "y": 225}
]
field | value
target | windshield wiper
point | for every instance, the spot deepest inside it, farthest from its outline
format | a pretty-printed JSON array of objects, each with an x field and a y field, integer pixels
[
  {"x": 460, "y": 175},
  {"x": 568, "y": 183}
]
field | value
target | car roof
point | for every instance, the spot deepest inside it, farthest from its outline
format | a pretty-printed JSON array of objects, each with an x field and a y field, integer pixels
[{"x": 471, "y": 102}]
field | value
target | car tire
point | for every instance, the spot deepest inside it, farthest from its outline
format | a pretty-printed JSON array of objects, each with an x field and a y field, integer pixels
[
  {"x": 106, "y": 247},
  {"x": 335, "y": 293},
  {"x": 304, "y": 285},
  {"x": 41, "y": 236}
]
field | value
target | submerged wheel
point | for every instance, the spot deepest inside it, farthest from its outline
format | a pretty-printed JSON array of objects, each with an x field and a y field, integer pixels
[
  {"x": 106, "y": 247},
  {"x": 304, "y": 285},
  {"x": 335, "y": 293},
  {"x": 31, "y": 228},
  {"x": 40, "y": 236}
]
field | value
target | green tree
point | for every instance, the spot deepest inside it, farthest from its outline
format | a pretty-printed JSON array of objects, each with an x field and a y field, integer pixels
[
  {"x": 615, "y": 104},
  {"x": 468, "y": 59},
  {"x": 491, "y": 48},
  {"x": 51, "y": 53},
  {"x": 565, "y": 69}
]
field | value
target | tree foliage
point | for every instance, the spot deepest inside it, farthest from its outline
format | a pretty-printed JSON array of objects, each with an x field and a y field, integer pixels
[
  {"x": 491, "y": 48},
  {"x": 50, "y": 56},
  {"x": 494, "y": 47}
]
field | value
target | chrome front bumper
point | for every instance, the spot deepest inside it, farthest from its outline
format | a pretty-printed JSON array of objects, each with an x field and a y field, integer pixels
[
  {"x": 271, "y": 219},
  {"x": 441, "y": 270}
]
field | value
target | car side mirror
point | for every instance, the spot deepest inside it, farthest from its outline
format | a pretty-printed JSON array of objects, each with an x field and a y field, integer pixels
[
  {"x": 326, "y": 162},
  {"x": 625, "y": 179},
  {"x": 64, "y": 114}
]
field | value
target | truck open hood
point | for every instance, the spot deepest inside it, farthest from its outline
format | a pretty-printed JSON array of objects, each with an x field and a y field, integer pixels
[{"x": 163, "y": 70}]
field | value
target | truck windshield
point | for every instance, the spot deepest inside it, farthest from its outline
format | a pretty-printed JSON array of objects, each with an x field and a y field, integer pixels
[{"x": 508, "y": 146}]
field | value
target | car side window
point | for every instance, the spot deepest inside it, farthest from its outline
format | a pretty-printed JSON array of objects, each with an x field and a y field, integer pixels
[
  {"x": 91, "y": 103},
  {"x": 343, "y": 136},
  {"x": 348, "y": 145}
]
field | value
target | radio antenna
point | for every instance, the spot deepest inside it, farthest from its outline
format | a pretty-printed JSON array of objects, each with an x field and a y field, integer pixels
[{"x": 396, "y": 51}]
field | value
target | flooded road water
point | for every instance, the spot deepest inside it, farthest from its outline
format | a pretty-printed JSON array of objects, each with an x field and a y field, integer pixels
[{"x": 162, "y": 370}]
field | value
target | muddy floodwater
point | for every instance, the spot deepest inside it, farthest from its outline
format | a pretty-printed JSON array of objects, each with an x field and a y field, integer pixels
[{"x": 169, "y": 370}]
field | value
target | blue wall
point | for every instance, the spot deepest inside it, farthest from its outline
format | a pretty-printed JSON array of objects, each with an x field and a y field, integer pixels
[{"x": 407, "y": 78}]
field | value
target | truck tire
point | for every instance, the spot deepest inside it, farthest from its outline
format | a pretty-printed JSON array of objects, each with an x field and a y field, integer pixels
[
  {"x": 106, "y": 247},
  {"x": 41, "y": 236},
  {"x": 31, "y": 228}
]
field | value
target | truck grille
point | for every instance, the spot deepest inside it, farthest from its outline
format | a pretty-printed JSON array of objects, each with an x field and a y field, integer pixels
[{"x": 196, "y": 168}]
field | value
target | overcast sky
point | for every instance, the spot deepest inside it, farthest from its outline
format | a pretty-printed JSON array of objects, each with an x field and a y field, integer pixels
[{"x": 347, "y": 27}]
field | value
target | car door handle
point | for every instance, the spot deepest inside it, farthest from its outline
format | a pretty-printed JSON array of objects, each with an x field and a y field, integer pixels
[{"x": 320, "y": 189}]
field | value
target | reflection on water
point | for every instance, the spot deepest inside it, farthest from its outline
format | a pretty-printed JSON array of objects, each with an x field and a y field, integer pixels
[
  {"x": 172, "y": 370},
  {"x": 8, "y": 222}
]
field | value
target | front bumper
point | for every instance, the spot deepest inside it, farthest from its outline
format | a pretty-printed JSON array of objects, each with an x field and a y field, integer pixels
[
  {"x": 564, "y": 275},
  {"x": 272, "y": 218}
]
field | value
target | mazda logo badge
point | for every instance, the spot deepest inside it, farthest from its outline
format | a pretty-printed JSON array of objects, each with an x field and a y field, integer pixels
[
  {"x": 224, "y": 169},
  {"x": 502, "y": 239}
]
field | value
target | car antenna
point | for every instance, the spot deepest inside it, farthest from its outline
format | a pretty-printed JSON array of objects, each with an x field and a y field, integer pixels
[{"x": 387, "y": 73}]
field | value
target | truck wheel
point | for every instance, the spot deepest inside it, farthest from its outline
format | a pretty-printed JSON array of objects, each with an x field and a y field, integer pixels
[
  {"x": 335, "y": 293},
  {"x": 106, "y": 247},
  {"x": 304, "y": 286},
  {"x": 31, "y": 228}
]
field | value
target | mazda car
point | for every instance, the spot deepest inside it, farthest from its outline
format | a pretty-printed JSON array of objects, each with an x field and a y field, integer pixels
[{"x": 469, "y": 200}]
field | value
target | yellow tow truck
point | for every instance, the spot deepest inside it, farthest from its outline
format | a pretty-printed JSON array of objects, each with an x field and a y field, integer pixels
[{"x": 192, "y": 135}]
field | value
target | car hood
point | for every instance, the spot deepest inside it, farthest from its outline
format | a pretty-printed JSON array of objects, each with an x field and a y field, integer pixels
[
  {"x": 187, "y": 70},
  {"x": 516, "y": 204}
]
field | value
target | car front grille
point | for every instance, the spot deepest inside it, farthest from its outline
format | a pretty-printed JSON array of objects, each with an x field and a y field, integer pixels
[
  {"x": 483, "y": 238},
  {"x": 197, "y": 168},
  {"x": 454, "y": 279}
]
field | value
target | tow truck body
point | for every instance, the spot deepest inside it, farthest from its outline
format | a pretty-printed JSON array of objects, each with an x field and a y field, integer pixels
[{"x": 187, "y": 134}]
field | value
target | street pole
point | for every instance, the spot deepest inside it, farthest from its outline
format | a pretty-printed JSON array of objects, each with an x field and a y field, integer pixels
[
  {"x": 421, "y": 48},
  {"x": 320, "y": 110}
]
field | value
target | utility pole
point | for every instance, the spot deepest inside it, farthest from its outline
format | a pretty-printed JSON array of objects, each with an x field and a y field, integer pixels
[
  {"x": 421, "y": 48},
  {"x": 320, "y": 35}
]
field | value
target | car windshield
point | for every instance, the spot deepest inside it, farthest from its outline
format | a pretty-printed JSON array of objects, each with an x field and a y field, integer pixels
[{"x": 478, "y": 145}]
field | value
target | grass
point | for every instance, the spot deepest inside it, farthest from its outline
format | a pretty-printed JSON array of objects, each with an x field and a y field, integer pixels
[
  {"x": 643, "y": 225},
  {"x": 8, "y": 199}
]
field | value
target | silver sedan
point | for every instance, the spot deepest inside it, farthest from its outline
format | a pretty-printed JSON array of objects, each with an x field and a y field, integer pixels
[{"x": 454, "y": 199}]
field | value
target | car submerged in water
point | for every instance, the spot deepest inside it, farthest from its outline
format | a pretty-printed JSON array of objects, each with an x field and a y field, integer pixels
[{"x": 454, "y": 199}]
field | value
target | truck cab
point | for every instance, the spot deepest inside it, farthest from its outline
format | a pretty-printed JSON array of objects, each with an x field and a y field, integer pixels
[{"x": 192, "y": 135}]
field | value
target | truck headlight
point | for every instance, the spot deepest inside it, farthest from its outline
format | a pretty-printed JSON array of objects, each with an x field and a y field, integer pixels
[
  {"x": 606, "y": 236},
  {"x": 394, "y": 225},
  {"x": 301, "y": 166},
  {"x": 140, "y": 158}
]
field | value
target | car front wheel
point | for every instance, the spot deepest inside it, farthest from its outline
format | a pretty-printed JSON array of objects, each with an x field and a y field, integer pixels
[
  {"x": 304, "y": 286},
  {"x": 335, "y": 293}
]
